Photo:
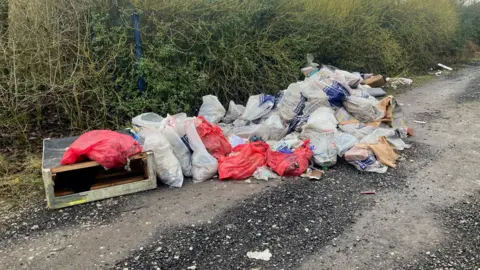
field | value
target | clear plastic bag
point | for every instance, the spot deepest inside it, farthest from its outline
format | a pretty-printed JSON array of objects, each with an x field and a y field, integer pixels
[
  {"x": 167, "y": 166},
  {"x": 204, "y": 165},
  {"x": 212, "y": 109}
]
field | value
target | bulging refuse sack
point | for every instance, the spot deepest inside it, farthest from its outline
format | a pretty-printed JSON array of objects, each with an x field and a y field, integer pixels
[
  {"x": 294, "y": 164},
  {"x": 213, "y": 139},
  {"x": 167, "y": 166},
  {"x": 322, "y": 120},
  {"x": 180, "y": 149},
  {"x": 204, "y": 165},
  {"x": 233, "y": 113},
  {"x": 363, "y": 109},
  {"x": 212, "y": 109},
  {"x": 258, "y": 106},
  {"x": 245, "y": 161},
  {"x": 291, "y": 104},
  {"x": 151, "y": 120},
  {"x": 312, "y": 91},
  {"x": 324, "y": 149},
  {"x": 344, "y": 142},
  {"x": 335, "y": 91},
  {"x": 276, "y": 129}
]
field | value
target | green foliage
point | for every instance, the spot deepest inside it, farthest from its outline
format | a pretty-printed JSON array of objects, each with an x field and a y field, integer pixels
[{"x": 72, "y": 63}]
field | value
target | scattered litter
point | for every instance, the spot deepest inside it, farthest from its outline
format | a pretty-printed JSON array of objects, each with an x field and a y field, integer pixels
[
  {"x": 371, "y": 192},
  {"x": 420, "y": 122},
  {"x": 260, "y": 255},
  {"x": 438, "y": 73},
  {"x": 313, "y": 174},
  {"x": 445, "y": 67},
  {"x": 396, "y": 82}
]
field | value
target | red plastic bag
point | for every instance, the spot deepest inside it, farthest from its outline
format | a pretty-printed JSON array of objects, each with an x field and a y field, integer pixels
[
  {"x": 109, "y": 148},
  {"x": 242, "y": 164},
  {"x": 294, "y": 164},
  {"x": 213, "y": 139}
]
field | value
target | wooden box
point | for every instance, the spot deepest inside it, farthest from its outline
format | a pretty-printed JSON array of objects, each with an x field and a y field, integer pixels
[{"x": 88, "y": 181}]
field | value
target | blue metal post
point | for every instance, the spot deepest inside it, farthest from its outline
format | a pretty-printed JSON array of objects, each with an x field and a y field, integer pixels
[{"x": 138, "y": 48}]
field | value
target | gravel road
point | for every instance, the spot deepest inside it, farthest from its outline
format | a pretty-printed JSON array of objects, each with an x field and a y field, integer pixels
[{"x": 424, "y": 215}]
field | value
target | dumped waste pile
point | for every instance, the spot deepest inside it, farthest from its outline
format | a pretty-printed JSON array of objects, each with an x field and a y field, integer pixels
[{"x": 307, "y": 127}]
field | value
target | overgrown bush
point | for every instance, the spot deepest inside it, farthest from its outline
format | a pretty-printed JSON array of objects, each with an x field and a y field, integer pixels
[{"x": 72, "y": 64}]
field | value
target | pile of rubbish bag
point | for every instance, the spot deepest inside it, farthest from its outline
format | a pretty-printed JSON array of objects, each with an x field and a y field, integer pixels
[{"x": 332, "y": 114}]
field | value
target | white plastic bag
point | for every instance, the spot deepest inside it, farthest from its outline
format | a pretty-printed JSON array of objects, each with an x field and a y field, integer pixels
[
  {"x": 180, "y": 150},
  {"x": 344, "y": 142},
  {"x": 233, "y": 113},
  {"x": 322, "y": 120},
  {"x": 212, "y": 109},
  {"x": 324, "y": 148},
  {"x": 291, "y": 104},
  {"x": 312, "y": 90},
  {"x": 275, "y": 127},
  {"x": 204, "y": 165},
  {"x": 363, "y": 109},
  {"x": 167, "y": 165},
  {"x": 258, "y": 106},
  {"x": 151, "y": 120}
]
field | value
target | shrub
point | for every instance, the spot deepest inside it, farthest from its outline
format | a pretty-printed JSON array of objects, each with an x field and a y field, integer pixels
[{"x": 72, "y": 63}]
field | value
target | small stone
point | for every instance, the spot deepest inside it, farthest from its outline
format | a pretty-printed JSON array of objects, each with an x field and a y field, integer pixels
[
  {"x": 34, "y": 227},
  {"x": 193, "y": 267}
]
